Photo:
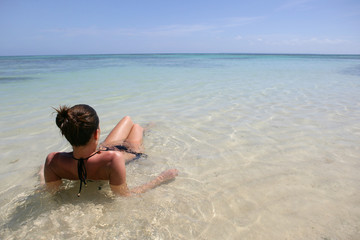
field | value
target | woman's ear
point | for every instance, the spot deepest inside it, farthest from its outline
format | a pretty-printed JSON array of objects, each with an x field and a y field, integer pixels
[{"x": 97, "y": 134}]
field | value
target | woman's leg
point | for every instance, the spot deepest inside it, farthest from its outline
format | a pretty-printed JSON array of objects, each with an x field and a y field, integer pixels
[
  {"x": 120, "y": 132},
  {"x": 126, "y": 132},
  {"x": 135, "y": 138}
]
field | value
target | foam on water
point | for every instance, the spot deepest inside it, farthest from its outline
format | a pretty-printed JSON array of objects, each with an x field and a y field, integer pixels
[{"x": 267, "y": 146}]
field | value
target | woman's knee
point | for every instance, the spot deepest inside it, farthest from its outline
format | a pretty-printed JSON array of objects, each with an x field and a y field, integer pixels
[{"x": 127, "y": 119}]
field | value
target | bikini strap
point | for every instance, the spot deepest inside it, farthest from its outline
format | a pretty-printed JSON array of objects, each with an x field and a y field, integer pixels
[
  {"x": 82, "y": 173},
  {"x": 87, "y": 157}
]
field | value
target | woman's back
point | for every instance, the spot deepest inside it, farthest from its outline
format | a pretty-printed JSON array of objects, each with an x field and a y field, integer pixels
[{"x": 98, "y": 166}]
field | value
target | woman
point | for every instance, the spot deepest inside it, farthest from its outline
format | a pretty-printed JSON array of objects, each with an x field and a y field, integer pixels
[{"x": 80, "y": 126}]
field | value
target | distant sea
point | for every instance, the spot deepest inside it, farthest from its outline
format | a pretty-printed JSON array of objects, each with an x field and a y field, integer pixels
[{"x": 268, "y": 146}]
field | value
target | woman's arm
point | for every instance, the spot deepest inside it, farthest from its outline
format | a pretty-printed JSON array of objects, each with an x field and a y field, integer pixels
[
  {"x": 118, "y": 178},
  {"x": 52, "y": 181},
  {"x": 162, "y": 178},
  {"x": 165, "y": 176}
]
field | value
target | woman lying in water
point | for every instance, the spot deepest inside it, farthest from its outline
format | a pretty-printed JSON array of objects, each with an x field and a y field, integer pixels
[{"x": 80, "y": 126}]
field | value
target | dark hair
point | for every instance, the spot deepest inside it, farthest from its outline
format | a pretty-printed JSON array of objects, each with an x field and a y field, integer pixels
[{"x": 77, "y": 123}]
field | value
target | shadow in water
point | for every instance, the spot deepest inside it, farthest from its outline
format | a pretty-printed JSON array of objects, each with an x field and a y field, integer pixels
[{"x": 39, "y": 202}]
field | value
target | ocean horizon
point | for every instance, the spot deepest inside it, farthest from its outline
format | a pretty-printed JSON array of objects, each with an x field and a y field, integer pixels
[
  {"x": 267, "y": 145},
  {"x": 180, "y": 53}
]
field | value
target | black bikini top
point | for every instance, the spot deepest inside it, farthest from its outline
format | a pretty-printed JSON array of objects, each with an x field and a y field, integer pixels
[{"x": 82, "y": 173}]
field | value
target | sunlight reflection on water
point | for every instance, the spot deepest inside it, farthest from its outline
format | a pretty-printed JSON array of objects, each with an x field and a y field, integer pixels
[{"x": 266, "y": 148}]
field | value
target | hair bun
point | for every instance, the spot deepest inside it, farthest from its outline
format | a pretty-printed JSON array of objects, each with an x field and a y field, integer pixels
[{"x": 62, "y": 117}]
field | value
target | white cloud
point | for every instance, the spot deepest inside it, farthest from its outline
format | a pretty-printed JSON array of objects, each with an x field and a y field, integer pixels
[
  {"x": 73, "y": 31},
  {"x": 293, "y": 4},
  {"x": 193, "y": 28},
  {"x": 166, "y": 30},
  {"x": 239, "y": 21},
  {"x": 176, "y": 29},
  {"x": 314, "y": 40},
  {"x": 283, "y": 40},
  {"x": 88, "y": 31}
]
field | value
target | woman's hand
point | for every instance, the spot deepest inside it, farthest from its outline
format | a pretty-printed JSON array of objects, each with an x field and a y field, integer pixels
[
  {"x": 163, "y": 177},
  {"x": 168, "y": 175}
]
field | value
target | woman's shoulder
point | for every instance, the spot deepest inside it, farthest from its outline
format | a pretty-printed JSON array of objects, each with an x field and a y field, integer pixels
[
  {"x": 110, "y": 155},
  {"x": 55, "y": 156}
]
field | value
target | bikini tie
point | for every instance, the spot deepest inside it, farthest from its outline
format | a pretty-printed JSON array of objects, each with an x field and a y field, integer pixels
[{"x": 82, "y": 173}]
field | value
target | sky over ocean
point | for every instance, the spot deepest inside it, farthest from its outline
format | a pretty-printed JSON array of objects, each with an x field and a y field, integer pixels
[{"x": 95, "y": 27}]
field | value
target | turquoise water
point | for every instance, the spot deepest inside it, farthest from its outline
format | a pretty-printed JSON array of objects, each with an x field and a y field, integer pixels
[{"x": 267, "y": 145}]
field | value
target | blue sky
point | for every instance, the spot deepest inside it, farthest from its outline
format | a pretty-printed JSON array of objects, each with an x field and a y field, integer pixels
[{"x": 46, "y": 27}]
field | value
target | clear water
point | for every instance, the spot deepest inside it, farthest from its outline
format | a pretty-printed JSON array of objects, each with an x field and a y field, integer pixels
[{"x": 268, "y": 146}]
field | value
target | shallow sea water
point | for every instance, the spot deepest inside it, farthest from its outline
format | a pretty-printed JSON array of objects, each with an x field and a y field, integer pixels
[{"x": 268, "y": 146}]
